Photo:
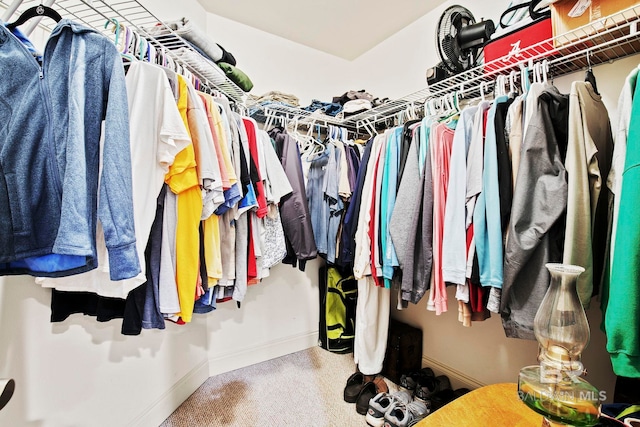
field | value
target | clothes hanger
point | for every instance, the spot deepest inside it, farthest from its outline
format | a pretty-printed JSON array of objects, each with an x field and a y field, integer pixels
[
  {"x": 589, "y": 76},
  {"x": 536, "y": 73},
  {"x": 512, "y": 84},
  {"x": 269, "y": 119},
  {"x": 499, "y": 86},
  {"x": 34, "y": 12},
  {"x": 544, "y": 68},
  {"x": 318, "y": 147},
  {"x": 524, "y": 78},
  {"x": 117, "y": 27}
]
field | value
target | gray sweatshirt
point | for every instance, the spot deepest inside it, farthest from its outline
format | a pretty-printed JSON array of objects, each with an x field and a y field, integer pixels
[{"x": 538, "y": 215}]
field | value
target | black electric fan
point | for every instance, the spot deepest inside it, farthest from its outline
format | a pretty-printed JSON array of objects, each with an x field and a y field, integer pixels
[{"x": 460, "y": 40}]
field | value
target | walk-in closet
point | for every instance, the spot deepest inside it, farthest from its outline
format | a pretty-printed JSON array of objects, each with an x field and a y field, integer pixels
[{"x": 319, "y": 213}]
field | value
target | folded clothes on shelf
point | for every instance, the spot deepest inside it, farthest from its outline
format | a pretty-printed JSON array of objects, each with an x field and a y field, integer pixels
[
  {"x": 356, "y": 106},
  {"x": 328, "y": 108},
  {"x": 237, "y": 76},
  {"x": 275, "y": 96},
  {"x": 195, "y": 37},
  {"x": 352, "y": 95}
]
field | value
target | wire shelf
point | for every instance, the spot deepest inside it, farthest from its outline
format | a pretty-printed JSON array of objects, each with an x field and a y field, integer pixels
[
  {"x": 602, "y": 41},
  {"x": 130, "y": 13}
]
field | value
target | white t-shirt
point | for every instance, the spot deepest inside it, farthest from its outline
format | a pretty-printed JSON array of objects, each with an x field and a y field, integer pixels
[{"x": 157, "y": 134}]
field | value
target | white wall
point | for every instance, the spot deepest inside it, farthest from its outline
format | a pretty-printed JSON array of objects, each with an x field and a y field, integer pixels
[{"x": 275, "y": 63}]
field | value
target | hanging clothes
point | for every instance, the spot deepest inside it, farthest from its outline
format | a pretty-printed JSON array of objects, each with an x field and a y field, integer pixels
[
  {"x": 537, "y": 222},
  {"x": 294, "y": 210},
  {"x": 614, "y": 180},
  {"x": 440, "y": 151},
  {"x": 486, "y": 218},
  {"x": 622, "y": 316},
  {"x": 52, "y": 175},
  {"x": 411, "y": 224},
  {"x": 588, "y": 160},
  {"x": 159, "y": 134},
  {"x": 454, "y": 251},
  {"x": 391, "y": 167}
]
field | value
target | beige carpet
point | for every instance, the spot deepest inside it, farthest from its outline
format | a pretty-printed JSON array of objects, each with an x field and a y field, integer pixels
[{"x": 300, "y": 389}]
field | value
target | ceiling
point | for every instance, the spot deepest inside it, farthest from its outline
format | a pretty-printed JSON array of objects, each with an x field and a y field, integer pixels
[{"x": 344, "y": 28}]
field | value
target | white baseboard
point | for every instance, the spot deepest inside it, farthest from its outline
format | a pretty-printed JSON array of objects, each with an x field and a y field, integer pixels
[
  {"x": 458, "y": 379},
  {"x": 247, "y": 356},
  {"x": 157, "y": 412}
]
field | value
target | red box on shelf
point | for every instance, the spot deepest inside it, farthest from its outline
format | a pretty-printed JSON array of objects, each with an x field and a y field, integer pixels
[{"x": 531, "y": 41}]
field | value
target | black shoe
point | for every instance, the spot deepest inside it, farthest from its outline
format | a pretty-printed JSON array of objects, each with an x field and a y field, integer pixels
[
  {"x": 411, "y": 380},
  {"x": 353, "y": 387},
  {"x": 366, "y": 394}
]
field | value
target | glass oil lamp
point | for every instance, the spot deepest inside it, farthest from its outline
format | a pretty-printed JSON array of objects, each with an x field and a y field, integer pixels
[{"x": 554, "y": 388}]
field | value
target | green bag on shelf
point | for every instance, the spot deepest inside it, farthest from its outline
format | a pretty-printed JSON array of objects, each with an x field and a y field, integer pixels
[{"x": 237, "y": 76}]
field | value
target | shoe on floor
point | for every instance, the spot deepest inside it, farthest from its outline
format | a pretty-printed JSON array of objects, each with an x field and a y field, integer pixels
[
  {"x": 367, "y": 393},
  {"x": 410, "y": 380},
  {"x": 405, "y": 414},
  {"x": 381, "y": 403},
  {"x": 354, "y": 385},
  {"x": 427, "y": 386}
]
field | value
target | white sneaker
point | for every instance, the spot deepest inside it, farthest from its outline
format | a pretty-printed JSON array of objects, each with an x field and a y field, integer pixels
[
  {"x": 405, "y": 414},
  {"x": 380, "y": 404}
]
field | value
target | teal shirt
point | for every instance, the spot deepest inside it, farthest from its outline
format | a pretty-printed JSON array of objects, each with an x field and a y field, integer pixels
[
  {"x": 387, "y": 203},
  {"x": 486, "y": 217}
]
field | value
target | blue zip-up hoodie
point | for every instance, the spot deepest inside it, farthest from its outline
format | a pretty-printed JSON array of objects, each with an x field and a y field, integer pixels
[{"x": 52, "y": 157}]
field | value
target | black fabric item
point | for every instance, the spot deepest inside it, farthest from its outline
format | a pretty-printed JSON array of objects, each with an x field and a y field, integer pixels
[
  {"x": 254, "y": 176},
  {"x": 245, "y": 177},
  {"x": 366, "y": 394},
  {"x": 152, "y": 317},
  {"x": 132, "y": 318},
  {"x": 347, "y": 238},
  {"x": 64, "y": 304},
  {"x": 591, "y": 78},
  {"x": 558, "y": 105},
  {"x": 227, "y": 56},
  {"x": 407, "y": 137},
  {"x": 204, "y": 276},
  {"x": 505, "y": 185},
  {"x": 627, "y": 390},
  {"x": 133, "y": 310},
  {"x": 351, "y": 95},
  {"x": 404, "y": 350}
]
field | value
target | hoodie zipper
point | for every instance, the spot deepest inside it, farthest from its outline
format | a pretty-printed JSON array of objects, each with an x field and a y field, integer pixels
[
  {"x": 50, "y": 140},
  {"x": 47, "y": 107}
]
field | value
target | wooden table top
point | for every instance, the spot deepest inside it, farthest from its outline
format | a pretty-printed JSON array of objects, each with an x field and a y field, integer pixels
[{"x": 492, "y": 405}]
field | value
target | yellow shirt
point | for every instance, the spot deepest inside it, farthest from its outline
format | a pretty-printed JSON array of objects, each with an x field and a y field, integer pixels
[{"x": 182, "y": 178}]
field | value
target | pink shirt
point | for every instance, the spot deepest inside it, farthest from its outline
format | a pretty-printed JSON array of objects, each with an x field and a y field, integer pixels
[{"x": 440, "y": 145}]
